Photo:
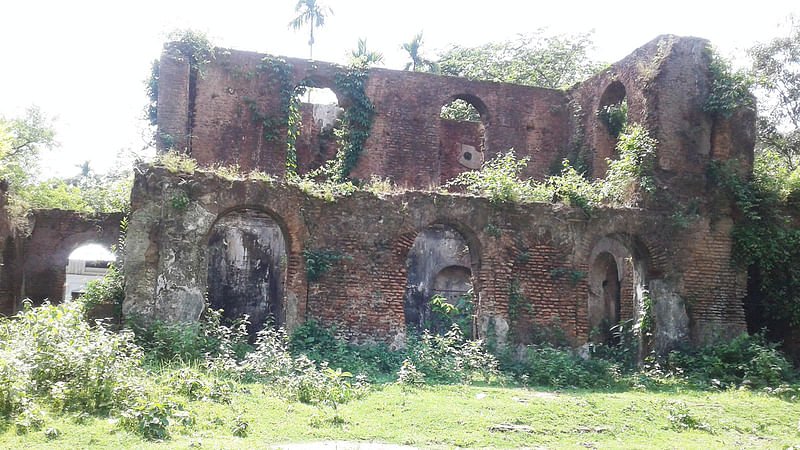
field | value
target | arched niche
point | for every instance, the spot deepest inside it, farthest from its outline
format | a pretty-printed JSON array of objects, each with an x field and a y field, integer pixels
[
  {"x": 321, "y": 114},
  {"x": 463, "y": 122},
  {"x": 439, "y": 263},
  {"x": 247, "y": 267}
]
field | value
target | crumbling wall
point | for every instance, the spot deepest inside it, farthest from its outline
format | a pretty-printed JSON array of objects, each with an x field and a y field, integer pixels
[
  {"x": 405, "y": 137},
  {"x": 10, "y": 260},
  {"x": 530, "y": 266},
  {"x": 539, "y": 252},
  {"x": 54, "y": 235}
]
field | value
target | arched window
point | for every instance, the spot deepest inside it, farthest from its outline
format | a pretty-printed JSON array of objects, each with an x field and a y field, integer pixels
[{"x": 463, "y": 135}]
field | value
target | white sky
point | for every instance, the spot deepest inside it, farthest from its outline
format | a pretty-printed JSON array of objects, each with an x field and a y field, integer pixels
[{"x": 85, "y": 61}]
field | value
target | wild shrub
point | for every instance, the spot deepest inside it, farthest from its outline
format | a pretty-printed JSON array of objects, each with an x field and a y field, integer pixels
[
  {"x": 151, "y": 419},
  {"x": 549, "y": 366},
  {"x": 53, "y": 355},
  {"x": 748, "y": 359},
  {"x": 192, "y": 342},
  {"x": 450, "y": 358},
  {"x": 460, "y": 314},
  {"x": 319, "y": 344}
]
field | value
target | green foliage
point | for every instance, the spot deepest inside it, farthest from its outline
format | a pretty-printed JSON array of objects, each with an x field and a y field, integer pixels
[
  {"x": 418, "y": 62},
  {"x": 356, "y": 121},
  {"x": 281, "y": 71},
  {"x": 194, "y": 45},
  {"x": 450, "y": 358},
  {"x": 177, "y": 162},
  {"x": 614, "y": 117},
  {"x": 499, "y": 179},
  {"x": 764, "y": 240},
  {"x": 461, "y": 111},
  {"x": 150, "y": 419},
  {"x": 179, "y": 200},
  {"x": 549, "y": 366},
  {"x": 320, "y": 344},
  {"x": 151, "y": 90},
  {"x": 312, "y": 13},
  {"x": 461, "y": 314},
  {"x": 362, "y": 57},
  {"x": 193, "y": 342},
  {"x": 635, "y": 164},
  {"x": 730, "y": 90},
  {"x": 50, "y": 354},
  {"x": 319, "y": 262},
  {"x": 776, "y": 69},
  {"x": 533, "y": 59},
  {"x": 747, "y": 360}
]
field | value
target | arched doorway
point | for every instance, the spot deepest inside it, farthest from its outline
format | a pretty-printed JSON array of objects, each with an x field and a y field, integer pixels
[
  {"x": 604, "y": 297},
  {"x": 87, "y": 263},
  {"x": 439, "y": 264},
  {"x": 247, "y": 268}
]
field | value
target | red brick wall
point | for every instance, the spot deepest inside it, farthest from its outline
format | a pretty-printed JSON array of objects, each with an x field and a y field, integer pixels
[
  {"x": 405, "y": 135},
  {"x": 362, "y": 295},
  {"x": 55, "y": 234}
]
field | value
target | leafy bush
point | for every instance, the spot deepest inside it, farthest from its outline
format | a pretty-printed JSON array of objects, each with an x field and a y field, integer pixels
[
  {"x": 151, "y": 419},
  {"x": 636, "y": 162},
  {"x": 460, "y": 314},
  {"x": 748, "y": 359},
  {"x": 730, "y": 89},
  {"x": 450, "y": 358},
  {"x": 51, "y": 354},
  {"x": 199, "y": 341},
  {"x": 319, "y": 344},
  {"x": 498, "y": 180},
  {"x": 614, "y": 117},
  {"x": 549, "y": 366}
]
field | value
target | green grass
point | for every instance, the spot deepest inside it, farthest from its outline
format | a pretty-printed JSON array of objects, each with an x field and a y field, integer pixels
[{"x": 458, "y": 416}]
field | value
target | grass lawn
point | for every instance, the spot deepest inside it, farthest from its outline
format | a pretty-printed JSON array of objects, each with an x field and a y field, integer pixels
[{"x": 457, "y": 416}]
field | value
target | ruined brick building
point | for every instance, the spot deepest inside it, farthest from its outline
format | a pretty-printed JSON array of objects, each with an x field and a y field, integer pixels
[{"x": 247, "y": 245}]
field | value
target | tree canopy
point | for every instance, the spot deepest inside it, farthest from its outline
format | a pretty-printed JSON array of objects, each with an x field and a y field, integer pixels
[
  {"x": 533, "y": 59},
  {"x": 776, "y": 71}
]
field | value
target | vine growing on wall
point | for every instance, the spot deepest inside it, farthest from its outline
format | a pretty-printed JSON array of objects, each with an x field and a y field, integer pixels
[
  {"x": 289, "y": 114},
  {"x": 357, "y": 120}
]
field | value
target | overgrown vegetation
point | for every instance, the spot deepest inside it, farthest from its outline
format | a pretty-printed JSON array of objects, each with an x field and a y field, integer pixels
[
  {"x": 631, "y": 173},
  {"x": 160, "y": 381},
  {"x": 730, "y": 89}
]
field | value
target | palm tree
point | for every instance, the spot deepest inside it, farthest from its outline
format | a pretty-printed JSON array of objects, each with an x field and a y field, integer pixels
[
  {"x": 412, "y": 48},
  {"x": 313, "y": 14},
  {"x": 361, "y": 56},
  {"x": 418, "y": 62}
]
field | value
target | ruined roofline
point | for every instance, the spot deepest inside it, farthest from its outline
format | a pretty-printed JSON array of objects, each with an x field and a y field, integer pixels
[{"x": 637, "y": 54}]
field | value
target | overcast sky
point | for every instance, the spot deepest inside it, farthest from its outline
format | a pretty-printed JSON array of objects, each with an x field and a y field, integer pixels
[{"x": 85, "y": 61}]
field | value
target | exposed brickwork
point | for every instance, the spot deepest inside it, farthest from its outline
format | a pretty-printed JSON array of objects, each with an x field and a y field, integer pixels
[
  {"x": 54, "y": 235},
  {"x": 363, "y": 294},
  {"x": 546, "y": 251}
]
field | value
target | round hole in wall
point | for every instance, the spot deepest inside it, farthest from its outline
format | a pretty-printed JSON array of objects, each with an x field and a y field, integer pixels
[{"x": 467, "y": 156}]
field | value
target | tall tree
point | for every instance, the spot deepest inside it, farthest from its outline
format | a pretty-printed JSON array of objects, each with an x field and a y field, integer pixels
[
  {"x": 363, "y": 57},
  {"x": 776, "y": 67},
  {"x": 533, "y": 59},
  {"x": 21, "y": 141},
  {"x": 313, "y": 14},
  {"x": 418, "y": 62}
]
